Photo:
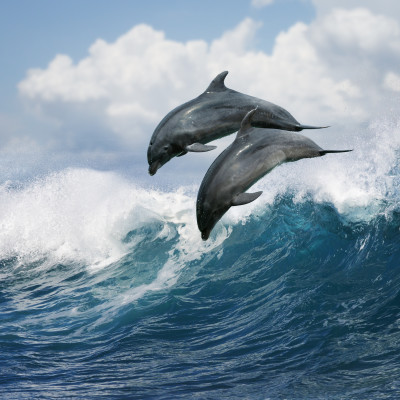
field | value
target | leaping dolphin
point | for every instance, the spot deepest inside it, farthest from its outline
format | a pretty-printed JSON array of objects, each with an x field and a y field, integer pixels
[
  {"x": 215, "y": 113},
  {"x": 253, "y": 154}
]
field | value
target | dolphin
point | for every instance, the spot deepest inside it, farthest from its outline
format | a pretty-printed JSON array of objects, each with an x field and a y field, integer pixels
[
  {"x": 215, "y": 113},
  {"x": 253, "y": 154}
]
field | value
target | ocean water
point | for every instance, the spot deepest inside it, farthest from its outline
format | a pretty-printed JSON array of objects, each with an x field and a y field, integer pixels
[{"x": 108, "y": 292}]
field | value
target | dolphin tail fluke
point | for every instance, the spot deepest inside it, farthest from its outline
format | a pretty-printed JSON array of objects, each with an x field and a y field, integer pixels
[
  {"x": 300, "y": 127},
  {"x": 323, "y": 152}
]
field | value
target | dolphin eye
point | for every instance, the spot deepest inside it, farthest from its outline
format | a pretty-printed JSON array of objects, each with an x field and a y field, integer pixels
[{"x": 166, "y": 147}]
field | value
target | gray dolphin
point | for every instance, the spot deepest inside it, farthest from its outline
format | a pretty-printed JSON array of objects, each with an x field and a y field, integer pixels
[
  {"x": 215, "y": 113},
  {"x": 253, "y": 154}
]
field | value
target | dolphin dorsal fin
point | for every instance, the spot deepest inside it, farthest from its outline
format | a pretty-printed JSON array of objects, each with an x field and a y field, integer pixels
[
  {"x": 217, "y": 84},
  {"x": 246, "y": 123}
]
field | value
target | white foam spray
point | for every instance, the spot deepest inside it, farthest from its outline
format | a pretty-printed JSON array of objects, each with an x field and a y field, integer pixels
[
  {"x": 359, "y": 184},
  {"x": 82, "y": 215}
]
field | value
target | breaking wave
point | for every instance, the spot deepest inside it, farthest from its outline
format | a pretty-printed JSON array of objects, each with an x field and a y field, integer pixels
[{"x": 108, "y": 291}]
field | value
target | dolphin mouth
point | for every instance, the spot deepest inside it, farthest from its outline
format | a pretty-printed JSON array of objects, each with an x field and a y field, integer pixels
[{"x": 154, "y": 166}]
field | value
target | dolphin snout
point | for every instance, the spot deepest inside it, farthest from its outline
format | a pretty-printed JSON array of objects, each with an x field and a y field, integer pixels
[
  {"x": 205, "y": 234},
  {"x": 154, "y": 166}
]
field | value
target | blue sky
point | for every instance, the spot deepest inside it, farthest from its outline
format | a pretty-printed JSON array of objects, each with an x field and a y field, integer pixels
[{"x": 95, "y": 77}]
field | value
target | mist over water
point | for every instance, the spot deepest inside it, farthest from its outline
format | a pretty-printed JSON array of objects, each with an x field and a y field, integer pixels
[{"x": 108, "y": 291}]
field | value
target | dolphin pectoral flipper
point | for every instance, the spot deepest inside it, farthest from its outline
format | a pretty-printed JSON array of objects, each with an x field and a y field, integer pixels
[
  {"x": 199, "y": 147},
  {"x": 245, "y": 198}
]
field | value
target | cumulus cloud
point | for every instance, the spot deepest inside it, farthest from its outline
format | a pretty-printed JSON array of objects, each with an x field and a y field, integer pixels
[
  {"x": 387, "y": 7},
  {"x": 127, "y": 86},
  {"x": 338, "y": 68}
]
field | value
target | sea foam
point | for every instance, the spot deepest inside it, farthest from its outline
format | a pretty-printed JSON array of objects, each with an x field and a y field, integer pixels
[{"x": 85, "y": 216}]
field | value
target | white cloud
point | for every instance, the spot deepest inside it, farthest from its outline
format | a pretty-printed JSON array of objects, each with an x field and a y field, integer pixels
[
  {"x": 261, "y": 3},
  {"x": 127, "y": 86},
  {"x": 392, "y": 81},
  {"x": 389, "y": 8},
  {"x": 63, "y": 81},
  {"x": 335, "y": 69},
  {"x": 357, "y": 30}
]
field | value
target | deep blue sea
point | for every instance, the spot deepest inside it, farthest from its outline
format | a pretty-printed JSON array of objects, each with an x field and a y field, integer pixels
[{"x": 108, "y": 292}]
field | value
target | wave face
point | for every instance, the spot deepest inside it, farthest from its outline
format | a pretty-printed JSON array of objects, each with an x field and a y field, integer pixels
[{"x": 107, "y": 290}]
